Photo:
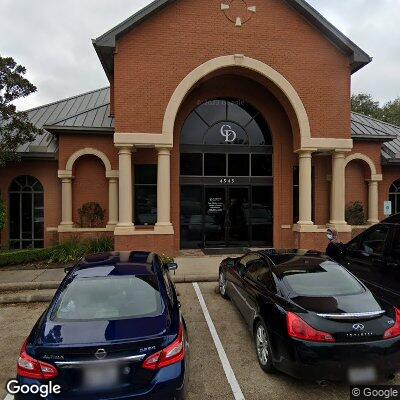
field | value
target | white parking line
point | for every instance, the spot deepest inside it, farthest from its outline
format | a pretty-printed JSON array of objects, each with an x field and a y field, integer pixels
[{"x": 230, "y": 375}]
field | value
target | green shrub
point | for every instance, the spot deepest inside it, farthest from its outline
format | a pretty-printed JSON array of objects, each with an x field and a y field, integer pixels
[
  {"x": 166, "y": 259},
  {"x": 3, "y": 217},
  {"x": 91, "y": 215},
  {"x": 67, "y": 252},
  {"x": 355, "y": 214}
]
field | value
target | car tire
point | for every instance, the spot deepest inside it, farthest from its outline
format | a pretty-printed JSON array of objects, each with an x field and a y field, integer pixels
[
  {"x": 263, "y": 348},
  {"x": 222, "y": 285}
]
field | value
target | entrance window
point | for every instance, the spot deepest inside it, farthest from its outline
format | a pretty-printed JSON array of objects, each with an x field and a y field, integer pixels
[
  {"x": 394, "y": 196},
  {"x": 226, "y": 176},
  {"x": 26, "y": 205},
  {"x": 145, "y": 194}
]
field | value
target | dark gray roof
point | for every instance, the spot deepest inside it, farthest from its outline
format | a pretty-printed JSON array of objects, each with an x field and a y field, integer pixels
[
  {"x": 368, "y": 128},
  {"x": 84, "y": 112},
  {"x": 105, "y": 44},
  {"x": 90, "y": 112}
]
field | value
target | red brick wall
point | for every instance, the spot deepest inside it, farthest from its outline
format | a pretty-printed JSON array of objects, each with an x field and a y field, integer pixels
[
  {"x": 89, "y": 185},
  {"x": 154, "y": 57},
  {"x": 357, "y": 172},
  {"x": 46, "y": 173}
]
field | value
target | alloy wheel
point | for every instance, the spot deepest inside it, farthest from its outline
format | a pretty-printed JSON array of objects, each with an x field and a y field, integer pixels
[{"x": 262, "y": 345}]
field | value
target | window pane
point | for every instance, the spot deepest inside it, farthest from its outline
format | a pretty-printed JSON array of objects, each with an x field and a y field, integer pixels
[
  {"x": 237, "y": 112},
  {"x": 27, "y": 216},
  {"x": 212, "y": 111},
  {"x": 261, "y": 165},
  {"x": 193, "y": 130},
  {"x": 191, "y": 164},
  {"x": 214, "y": 164},
  {"x": 238, "y": 164},
  {"x": 14, "y": 216},
  {"x": 191, "y": 216},
  {"x": 110, "y": 298},
  {"x": 145, "y": 205},
  {"x": 262, "y": 214},
  {"x": 146, "y": 174},
  {"x": 373, "y": 242}
]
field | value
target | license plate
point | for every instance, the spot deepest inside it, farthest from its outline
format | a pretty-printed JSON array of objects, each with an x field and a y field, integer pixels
[
  {"x": 362, "y": 375},
  {"x": 104, "y": 377}
]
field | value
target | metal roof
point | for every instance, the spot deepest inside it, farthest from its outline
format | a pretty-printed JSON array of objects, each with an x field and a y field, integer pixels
[
  {"x": 87, "y": 111},
  {"x": 105, "y": 44},
  {"x": 90, "y": 112}
]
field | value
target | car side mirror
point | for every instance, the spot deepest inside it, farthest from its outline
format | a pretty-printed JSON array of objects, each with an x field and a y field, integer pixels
[{"x": 171, "y": 266}]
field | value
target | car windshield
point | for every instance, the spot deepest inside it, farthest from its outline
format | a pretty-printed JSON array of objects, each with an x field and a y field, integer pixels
[
  {"x": 319, "y": 279},
  {"x": 110, "y": 298}
]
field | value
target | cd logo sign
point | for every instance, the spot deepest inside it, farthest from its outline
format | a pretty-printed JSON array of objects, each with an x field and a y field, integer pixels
[{"x": 228, "y": 133}]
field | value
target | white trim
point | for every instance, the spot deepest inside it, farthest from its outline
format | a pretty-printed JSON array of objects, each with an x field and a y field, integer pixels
[
  {"x": 88, "y": 151},
  {"x": 230, "y": 375}
]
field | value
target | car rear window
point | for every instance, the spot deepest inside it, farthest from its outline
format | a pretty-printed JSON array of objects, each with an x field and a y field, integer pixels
[
  {"x": 110, "y": 298},
  {"x": 321, "y": 279}
]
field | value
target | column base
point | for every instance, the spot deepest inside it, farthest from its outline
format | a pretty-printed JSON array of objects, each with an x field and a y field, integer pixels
[
  {"x": 111, "y": 225},
  {"x": 124, "y": 229},
  {"x": 340, "y": 226},
  {"x": 373, "y": 221},
  {"x": 164, "y": 228},
  {"x": 65, "y": 226}
]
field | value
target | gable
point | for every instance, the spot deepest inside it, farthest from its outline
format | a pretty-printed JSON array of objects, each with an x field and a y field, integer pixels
[{"x": 105, "y": 44}]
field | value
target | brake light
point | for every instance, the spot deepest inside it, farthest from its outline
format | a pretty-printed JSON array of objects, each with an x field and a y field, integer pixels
[
  {"x": 172, "y": 354},
  {"x": 299, "y": 329},
  {"x": 395, "y": 329},
  {"x": 30, "y": 368}
]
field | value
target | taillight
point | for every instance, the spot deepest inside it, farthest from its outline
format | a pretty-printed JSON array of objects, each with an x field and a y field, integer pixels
[
  {"x": 172, "y": 354},
  {"x": 30, "y": 368},
  {"x": 299, "y": 329},
  {"x": 395, "y": 329}
]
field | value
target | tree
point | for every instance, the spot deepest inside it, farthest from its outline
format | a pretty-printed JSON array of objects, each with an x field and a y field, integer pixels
[
  {"x": 391, "y": 112},
  {"x": 15, "y": 128},
  {"x": 363, "y": 103}
]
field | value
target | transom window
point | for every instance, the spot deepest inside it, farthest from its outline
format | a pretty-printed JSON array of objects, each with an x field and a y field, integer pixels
[
  {"x": 394, "y": 196},
  {"x": 226, "y": 122},
  {"x": 26, "y": 205}
]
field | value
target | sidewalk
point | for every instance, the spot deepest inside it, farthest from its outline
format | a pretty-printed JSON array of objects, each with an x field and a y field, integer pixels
[{"x": 190, "y": 269}]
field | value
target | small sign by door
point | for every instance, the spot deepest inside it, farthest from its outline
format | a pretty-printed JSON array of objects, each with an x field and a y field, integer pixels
[{"x": 387, "y": 208}]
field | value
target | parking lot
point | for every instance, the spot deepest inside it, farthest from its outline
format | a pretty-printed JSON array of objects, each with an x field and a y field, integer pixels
[{"x": 207, "y": 376}]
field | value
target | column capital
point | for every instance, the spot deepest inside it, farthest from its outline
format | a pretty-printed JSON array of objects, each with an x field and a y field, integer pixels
[
  {"x": 306, "y": 152},
  {"x": 163, "y": 150},
  {"x": 338, "y": 153},
  {"x": 65, "y": 174},
  {"x": 125, "y": 150},
  {"x": 112, "y": 175}
]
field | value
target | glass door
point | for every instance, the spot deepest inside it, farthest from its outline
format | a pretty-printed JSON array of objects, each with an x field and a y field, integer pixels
[
  {"x": 237, "y": 217},
  {"x": 214, "y": 216}
]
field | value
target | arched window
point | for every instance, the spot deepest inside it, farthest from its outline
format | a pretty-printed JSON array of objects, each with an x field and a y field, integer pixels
[
  {"x": 26, "y": 205},
  {"x": 226, "y": 122},
  {"x": 394, "y": 196}
]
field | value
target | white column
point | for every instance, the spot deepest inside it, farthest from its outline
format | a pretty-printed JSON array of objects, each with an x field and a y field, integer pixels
[
  {"x": 112, "y": 201},
  {"x": 66, "y": 202},
  {"x": 164, "y": 224},
  {"x": 338, "y": 189},
  {"x": 125, "y": 188},
  {"x": 373, "y": 202},
  {"x": 305, "y": 187}
]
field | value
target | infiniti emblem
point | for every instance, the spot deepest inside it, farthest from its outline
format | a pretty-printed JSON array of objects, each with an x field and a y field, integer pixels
[
  {"x": 358, "y": 327},
  {"x": 100, "y": 354},
  {"x": 228, "y": 133}
]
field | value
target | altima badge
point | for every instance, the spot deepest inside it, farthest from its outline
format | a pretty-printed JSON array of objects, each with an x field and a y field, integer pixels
[
  {"x": 358, "y": 327},
  {"x": 100, "y": 354}
]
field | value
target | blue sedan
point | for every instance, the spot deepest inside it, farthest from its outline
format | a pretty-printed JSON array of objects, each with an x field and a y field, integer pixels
[{"x": 114, "y": 330}]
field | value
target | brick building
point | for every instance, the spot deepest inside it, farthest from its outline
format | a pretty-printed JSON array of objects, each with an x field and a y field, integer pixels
[{"x": 225, "y": 124}]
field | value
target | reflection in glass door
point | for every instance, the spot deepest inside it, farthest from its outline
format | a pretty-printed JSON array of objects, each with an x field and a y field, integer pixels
[
  {"x": 215, "y": 216},
  {"x": 237, "y": 216}
]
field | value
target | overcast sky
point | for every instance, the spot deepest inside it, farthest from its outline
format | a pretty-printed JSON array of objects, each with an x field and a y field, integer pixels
[{"x": 52, "y": 38}]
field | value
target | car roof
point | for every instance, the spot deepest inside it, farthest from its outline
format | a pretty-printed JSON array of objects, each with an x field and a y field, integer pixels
[
  {"x": 394, "y": 219},
  {"x": 121, "y": 263},
  {"x": 283, "y": 256}
]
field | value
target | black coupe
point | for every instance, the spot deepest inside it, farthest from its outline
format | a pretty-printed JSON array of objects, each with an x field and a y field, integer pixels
[{"x": 311, "y": 318}]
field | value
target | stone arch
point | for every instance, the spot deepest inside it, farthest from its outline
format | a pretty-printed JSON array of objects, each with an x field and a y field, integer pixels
[
  {"x": 242, "y": 61},
  {"x": 365, "y": 158},
  {"x": 88, "y": 151}
]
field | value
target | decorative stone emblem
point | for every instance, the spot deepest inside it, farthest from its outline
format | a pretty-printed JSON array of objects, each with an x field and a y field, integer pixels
[{"x": 238, "y": 11}]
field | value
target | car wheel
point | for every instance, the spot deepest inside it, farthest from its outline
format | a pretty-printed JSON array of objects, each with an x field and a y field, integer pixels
[
  {"x": 263, "y": 348},
  {"x": 222, "y": 285}
]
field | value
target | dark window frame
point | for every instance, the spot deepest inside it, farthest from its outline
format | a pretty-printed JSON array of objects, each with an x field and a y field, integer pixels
[{"x": 394, "y": 196}]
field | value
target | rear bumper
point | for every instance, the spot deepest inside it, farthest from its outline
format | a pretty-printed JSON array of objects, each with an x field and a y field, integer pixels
[
  {"x": 332, "y": 361},
  {"x": 168, "y": 384}
]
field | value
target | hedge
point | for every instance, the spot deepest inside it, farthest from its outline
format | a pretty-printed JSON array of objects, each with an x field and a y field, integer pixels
[{"x": 70, "y": 251}]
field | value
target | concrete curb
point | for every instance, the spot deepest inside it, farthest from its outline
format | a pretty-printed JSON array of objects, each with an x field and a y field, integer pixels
[
  {"x": 28, "y": 286},
  {"x": 45, "y": 297}
]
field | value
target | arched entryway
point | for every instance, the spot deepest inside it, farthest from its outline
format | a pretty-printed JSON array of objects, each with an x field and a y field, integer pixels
[
  {"x": 26, "y": 213},
  {"x": 394, "y": 196},
  {"x": 226, "y": 158}
]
